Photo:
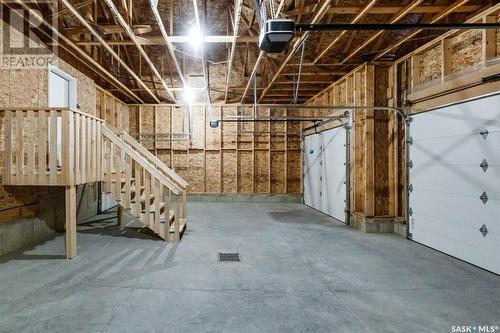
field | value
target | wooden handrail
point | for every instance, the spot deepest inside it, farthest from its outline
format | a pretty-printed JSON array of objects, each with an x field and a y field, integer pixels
[
  {"x": 141, "y": 160},
  {"x": 154, "y": 160}
]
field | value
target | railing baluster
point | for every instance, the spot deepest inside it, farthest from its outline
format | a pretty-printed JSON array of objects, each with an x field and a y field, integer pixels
[
  {"x": 78, "y": 167},
  {"x": 8, "y": 147},
  {"x": 137, "y": 197},
  {"x": 19, "y": 147},
  {"x": 128, "y": 181},
  {"x": 147, "y": 198},
  {"x": 42, "y": 147},
  {"x": 83, "y": 149},
  {"x": 88, "y": 144},
  {"x": 158, "y": 198},
  {"x": 30, "y": 145}
]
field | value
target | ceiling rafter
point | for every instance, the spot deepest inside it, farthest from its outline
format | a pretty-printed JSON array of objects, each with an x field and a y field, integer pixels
[
  {"x": 257, "y": 62},
  {"x": 324, "y": 5},
  {"x": 110, "y": 77},
  {"x": 170, "y": 47},
  {"x": 356, "y": 19},
  {"x": 236, "y": 24},
  {"x": 108, "y": 48},
  {"x": 400, "y": 15},
  {"x": 436, "y": 18},
  {"x": 132, "y": 36}
]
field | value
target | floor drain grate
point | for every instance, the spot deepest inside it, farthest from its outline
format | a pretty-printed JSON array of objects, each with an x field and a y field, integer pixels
[{"x": 229, "y": 257}]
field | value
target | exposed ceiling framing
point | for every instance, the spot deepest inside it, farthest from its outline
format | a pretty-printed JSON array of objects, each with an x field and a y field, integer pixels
[{"x": 141, "y": 49}]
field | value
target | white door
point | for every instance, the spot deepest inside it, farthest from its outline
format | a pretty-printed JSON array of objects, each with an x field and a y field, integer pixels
[
  {"x": 61, "y": 94},
  {"x": 334, "y": 173},
  {"x": 312, "y": 171},
  {"x": 455, "y": 181},
  {"x": 324, "y": 172}
]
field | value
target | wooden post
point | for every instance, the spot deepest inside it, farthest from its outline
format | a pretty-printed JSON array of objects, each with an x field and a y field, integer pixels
[
  {"x": 369, "y": 143},
  {"x": 70, "y": 222}
]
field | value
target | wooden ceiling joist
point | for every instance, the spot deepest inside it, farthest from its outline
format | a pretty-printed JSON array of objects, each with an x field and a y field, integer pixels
[
  {"x": 439, "y": 16},
  {"x": 236, "y": 24},
  {"x": 382, "y": 10},
  {"x": 323, "y": 8},
  {"x": 398, "y": 16},
  {"x": 110, "y": 77},
  {"x": 168, "y": 43},
  {"x": 96, "y": 35},
  {"x": 131, "y": 35},
  {"x": 356, "y": 19}
]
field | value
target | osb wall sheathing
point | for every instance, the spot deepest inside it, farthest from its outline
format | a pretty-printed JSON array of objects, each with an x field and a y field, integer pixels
[
  {"x": 429, "y": 63},
  {"x": 112, "y": 110},
  {"x": 465, "y": 50},
  {"x": 28, "y": 87},
  {"x": 245, "y": 157}
]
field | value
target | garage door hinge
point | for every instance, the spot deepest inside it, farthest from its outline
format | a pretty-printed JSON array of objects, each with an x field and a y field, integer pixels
[
  {"x": 410, "y": 211},
  {"x": 484, "y": 230},
  {"x": 320, "y": 177},
  {"x": 410, "y": 164},
  {"x": 484, "y": 134},
  {"x": 484, "y": 198},
  {"x": 409, "y": 120},
  {"x": 410, "y": 188},
  {"x": 321, "y": 163},
  {"x": 320, "y": 193},
  {"x": 410, "y": 141},
  {"x": 484, "y": 165}
]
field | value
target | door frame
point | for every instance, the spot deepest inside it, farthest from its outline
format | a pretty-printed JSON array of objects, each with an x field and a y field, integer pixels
[{"x": 72, "y": 103}]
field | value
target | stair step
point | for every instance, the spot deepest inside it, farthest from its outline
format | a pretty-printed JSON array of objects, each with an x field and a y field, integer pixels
[
  {"x": 123, "y": 180},
  {"x": 132, "y": 189},
  {"x": 143, "y": 199},
  {"x": 182, "y": 226},
  {"x": 152, "y": 211}
]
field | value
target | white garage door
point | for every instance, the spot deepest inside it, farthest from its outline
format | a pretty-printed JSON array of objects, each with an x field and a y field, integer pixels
[
  {"x": 325, "y": 172},
  {"x": 455, "y": 181}
]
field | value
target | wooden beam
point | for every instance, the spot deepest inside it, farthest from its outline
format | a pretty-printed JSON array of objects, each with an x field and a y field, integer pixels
[
  {"x": 237, "y": 14},
  {"x": 111, "y": 78},
  {"x": 71, "y": 247},
  {"x": 170, "y": 47},
  {"x": 159, "y": 40},
  {"x": 108, "y": 48},
  {"x": 381, "y": 10},
  {"x": 398, "y": 16},
  {"x": 132, "y": 36},
  {"x": 356, "y": 19},
  {"x": 317, "y": 17},
  {"x": 451, "y": 8}
]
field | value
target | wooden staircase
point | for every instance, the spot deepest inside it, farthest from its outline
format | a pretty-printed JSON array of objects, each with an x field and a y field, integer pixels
[
  {"x": 145, "y": 186},
  {"x": 63, "y": 147}
]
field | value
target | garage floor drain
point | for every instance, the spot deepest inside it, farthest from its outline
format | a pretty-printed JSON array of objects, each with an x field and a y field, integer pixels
[{"x": 229, "y": 257}]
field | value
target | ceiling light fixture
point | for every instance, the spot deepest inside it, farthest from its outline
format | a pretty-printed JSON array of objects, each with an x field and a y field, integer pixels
[
  {"x": 195, "y": 37},
  {"x": 188, "y": 94}
]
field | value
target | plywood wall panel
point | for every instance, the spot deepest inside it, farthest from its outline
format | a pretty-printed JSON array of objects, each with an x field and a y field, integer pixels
[
  {"x": 196, "y": 175},
  {"x": 213, "y": 172},
  {"x": 294, "y": 173},
  {"x": 261, "y": 167},
  {"x": 278, "y": 172},
  {"x": 245, "y": 172},
  {"x": 147, "y": 125},
  {"x": 222, "y": 159},
  {"x": 162, "y": 126},
  {"x": 229, "y": 173}
]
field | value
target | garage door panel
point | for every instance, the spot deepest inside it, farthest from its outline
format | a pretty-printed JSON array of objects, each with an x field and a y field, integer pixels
[
  {"x": 324, "y": 172},
  {"x": 470, "y": 180},
  {"x": 459, "y": 242},
  {"x": 333, "y": 173},
  {"x": 312, "y": 173},
  {"x": 447, "y": 181},
  {"x": 450, "y": 150},
  {"x": 466, "y": 118},
  {"x": 461, "y": 210}
]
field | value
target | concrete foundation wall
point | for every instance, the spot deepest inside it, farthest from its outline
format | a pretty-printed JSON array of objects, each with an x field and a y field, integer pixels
[
  {"x": 263, "y": 198},
  {"x": 378, "y": 225},
  {"x": 50, "y": 219}
]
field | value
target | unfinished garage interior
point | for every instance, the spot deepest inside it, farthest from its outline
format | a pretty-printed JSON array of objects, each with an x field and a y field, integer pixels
[{"x": 250, "y": 166}]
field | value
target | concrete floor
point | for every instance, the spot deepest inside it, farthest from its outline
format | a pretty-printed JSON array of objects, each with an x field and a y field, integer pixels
[{"x": 300, "y": 272}]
